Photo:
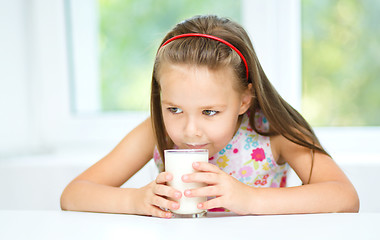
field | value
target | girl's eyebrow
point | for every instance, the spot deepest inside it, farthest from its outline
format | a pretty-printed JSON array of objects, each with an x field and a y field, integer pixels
[
  {"x": 167, "y": 103},
  {"x": 219, "y": 106},
  {"x": 208, "y": 106}
]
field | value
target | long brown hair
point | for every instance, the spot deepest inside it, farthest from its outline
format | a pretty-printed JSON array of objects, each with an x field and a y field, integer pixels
[{"x": 283, "y": 119}]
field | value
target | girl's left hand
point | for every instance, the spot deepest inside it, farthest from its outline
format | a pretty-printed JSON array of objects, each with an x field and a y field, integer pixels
[{"x": 229, "y": 193}]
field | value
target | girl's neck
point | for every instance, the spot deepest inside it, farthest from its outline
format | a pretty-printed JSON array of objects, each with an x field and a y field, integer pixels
[{"x": 240, "y": 119}]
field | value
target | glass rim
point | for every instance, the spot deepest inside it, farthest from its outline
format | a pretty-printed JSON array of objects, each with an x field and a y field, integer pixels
[{"x": 186, "y": 150}]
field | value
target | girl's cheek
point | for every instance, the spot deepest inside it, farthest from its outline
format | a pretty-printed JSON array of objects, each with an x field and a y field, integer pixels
[{"x": 175, "y": 136}]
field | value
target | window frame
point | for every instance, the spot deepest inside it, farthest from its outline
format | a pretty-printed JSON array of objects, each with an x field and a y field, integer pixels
[{"x": 275, "y": 37}]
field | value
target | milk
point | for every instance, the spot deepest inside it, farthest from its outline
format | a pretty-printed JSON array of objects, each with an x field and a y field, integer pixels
[{"x": 179, "y": 162}]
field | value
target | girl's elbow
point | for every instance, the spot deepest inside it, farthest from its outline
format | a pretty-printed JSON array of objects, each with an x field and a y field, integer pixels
[
  {"x": 356, "y": 203},
  {"x": 352, "y": 202},
  {"x": 63, "y": 201},
  {"x": 353, "y": 207}
]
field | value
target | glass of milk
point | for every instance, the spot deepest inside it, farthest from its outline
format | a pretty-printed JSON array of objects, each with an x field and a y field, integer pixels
[{"x": 179, "y": 162}]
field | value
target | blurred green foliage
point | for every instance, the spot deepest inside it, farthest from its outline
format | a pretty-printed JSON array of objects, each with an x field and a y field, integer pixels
[
  {"x": 341, "y": 62},
  {"x": 130, "y": 33}
]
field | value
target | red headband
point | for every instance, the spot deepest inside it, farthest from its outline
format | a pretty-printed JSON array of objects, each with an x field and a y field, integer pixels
[{"x": 211, "y": 37}]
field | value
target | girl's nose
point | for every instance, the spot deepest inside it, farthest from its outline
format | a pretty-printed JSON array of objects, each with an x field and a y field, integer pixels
[{"x": 192, "y": 128}]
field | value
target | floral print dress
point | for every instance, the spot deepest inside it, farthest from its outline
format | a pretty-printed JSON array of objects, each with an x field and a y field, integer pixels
[{"x": 248, "y": 157}]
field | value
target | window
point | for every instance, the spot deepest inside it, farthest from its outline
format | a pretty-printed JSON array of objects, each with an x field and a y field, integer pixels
[
  {"x": 69, "y": 105},
  {"x": 340, "y": 62}
]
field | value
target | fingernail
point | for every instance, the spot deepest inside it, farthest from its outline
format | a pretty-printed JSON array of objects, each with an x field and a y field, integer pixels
[
  {"x": 200, "y": 205},
  {"x": 168, "y": 215},
  {"x": 177, "y": 195},
  {"x": 175, "y": 205},
  {"x": 167, "y": 177},
  {"x": 187, "y": 192},
  {"x": 196, "y": 164},
  {"x": 185, "y": 177}
]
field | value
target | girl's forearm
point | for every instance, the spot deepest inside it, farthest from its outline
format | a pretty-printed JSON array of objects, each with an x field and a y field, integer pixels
[
  {"x": 81, "y": 195},
  {"x": 312, "y": 198}
]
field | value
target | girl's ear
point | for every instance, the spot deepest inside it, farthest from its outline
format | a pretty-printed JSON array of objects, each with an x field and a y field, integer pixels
[{"x": 246, "y": 99}]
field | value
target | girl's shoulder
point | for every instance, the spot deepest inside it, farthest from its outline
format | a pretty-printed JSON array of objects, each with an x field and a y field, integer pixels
[
  {"x": 285, "y": 150},
  {"x": 260, "y": 121}
]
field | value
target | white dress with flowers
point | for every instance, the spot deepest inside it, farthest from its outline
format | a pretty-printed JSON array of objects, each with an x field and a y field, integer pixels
[{"x": 248, "y": 157}]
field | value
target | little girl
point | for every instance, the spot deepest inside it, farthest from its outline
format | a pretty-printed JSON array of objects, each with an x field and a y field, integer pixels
[{"x": 209, "y": 91}]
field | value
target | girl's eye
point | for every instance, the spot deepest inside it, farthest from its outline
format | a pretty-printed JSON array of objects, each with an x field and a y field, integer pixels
[
  {"x": 209, "y": 112},
  {"x": 175, "y": 110}
]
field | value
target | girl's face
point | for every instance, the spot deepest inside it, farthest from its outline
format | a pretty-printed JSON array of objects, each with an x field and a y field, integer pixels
[{"x": 200, "y": 106}]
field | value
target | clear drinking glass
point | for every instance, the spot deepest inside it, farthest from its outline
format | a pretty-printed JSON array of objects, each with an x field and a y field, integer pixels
[{"x": 179, "y": 162}]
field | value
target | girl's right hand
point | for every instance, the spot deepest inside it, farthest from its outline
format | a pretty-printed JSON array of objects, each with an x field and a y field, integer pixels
[{"x": 153, "y": 199}]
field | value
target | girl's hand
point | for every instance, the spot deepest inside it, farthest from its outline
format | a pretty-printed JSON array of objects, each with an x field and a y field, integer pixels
[
  {"x": 152, "y": 199},
  {"x": 229, "y": 192}
]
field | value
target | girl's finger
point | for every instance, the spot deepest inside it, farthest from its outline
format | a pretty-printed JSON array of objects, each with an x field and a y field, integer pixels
[
  {"x": 204, "y": 177},
  {"x": 167, "y": 191},
  {"x": 164, "y": 177},
  {"x": 206, "y": 167},
  {"x": 158, "y": 212},
  {"x": 209, "y": 191},
  {"x": 164, "y": 203},
  {"x": 212, "y": 203}
]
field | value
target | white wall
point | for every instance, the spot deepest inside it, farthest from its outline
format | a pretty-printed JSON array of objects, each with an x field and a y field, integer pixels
[
  {"x": 15, "y": 125},
  {"x": 35, "y": 107},
  {"x": 33, "y": 60}
]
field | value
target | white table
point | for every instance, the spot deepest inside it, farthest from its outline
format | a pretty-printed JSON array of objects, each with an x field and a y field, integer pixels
[{"x": 80, "y": 225}]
